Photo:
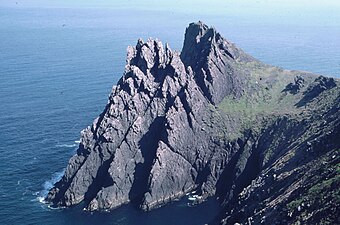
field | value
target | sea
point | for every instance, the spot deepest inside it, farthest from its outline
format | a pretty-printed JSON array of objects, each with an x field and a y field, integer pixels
[{"x": 57, "y": 68}]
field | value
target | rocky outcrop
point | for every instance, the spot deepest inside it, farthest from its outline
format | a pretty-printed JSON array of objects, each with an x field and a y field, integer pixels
[
  {"x": 212, "y": 59},
  {"x": 149, "y": 146},
  {"x": 211, "y": 119},
  {"x": 294, "y": 88},
  {"x": 295, "y": 159},
  {"x": 319, "y": 85}
]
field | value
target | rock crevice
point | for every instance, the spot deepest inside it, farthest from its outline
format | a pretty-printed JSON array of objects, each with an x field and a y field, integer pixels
[{"x": 211, "y": 119}]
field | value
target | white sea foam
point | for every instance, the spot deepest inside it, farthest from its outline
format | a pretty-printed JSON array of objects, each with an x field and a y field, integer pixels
[
  {"x": 41, "y": 199},
  {"x": 78, "y": 141},
  {"x": 56, "y": 208},
  {"x": 47, "y": 185},
  {"x": 66, "y": 145}
]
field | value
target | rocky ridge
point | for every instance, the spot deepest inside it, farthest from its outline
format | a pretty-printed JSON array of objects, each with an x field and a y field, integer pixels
[{"x": 215, "y": 120}]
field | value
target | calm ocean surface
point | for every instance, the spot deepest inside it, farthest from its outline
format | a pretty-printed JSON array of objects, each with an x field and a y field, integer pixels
[{"x": 57, "y": 67}]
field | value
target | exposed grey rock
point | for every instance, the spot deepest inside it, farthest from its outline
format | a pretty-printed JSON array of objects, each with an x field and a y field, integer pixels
[
  {"x": 295, "y": 87},
  {"x": 210, "y": 119},
  {"x": 212, "y": 59},
  {"x": 149, "y": 145},
  {"x": 319, "y": 85}
]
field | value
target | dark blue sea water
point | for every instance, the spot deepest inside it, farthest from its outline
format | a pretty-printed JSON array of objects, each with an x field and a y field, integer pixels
[{"x": 57, "y": 67}]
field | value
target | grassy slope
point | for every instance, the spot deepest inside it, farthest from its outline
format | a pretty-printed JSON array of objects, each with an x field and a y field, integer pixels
[{"x": 311, "y": 178}]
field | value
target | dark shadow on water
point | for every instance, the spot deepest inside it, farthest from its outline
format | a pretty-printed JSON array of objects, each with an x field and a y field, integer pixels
[{"x": 176, "y": 213}]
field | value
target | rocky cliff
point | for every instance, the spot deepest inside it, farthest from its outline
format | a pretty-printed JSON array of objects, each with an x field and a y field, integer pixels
[{"x": 213, "y": 119}]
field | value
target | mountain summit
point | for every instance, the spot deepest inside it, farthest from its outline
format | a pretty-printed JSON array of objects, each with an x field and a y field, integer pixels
[{"x": 214, "y": 120}]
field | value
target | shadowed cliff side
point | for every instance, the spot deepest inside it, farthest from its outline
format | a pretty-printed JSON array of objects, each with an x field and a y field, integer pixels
[
  {"x": 211, "y": 119},
  {"x": 136, "y": 150}
]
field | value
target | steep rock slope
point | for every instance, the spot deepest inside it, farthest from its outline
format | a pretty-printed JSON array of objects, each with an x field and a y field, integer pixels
[
  {"x": 211, "y": 119},
  {"x": 296, "y": 159},
  {"x": 150, "y": 144}
]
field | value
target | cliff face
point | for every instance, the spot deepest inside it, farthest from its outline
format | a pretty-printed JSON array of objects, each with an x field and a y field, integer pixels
[{"x": 211, "y": 119}]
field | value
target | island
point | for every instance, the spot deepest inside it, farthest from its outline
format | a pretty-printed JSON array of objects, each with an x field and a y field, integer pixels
[{"x": 214, "y": 121}]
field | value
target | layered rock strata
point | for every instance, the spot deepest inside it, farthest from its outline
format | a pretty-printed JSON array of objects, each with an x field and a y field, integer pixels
[{"x": 211, "y": 119}]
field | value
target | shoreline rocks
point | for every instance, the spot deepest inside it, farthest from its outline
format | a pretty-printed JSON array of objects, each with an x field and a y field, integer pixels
[{"x": 211, "y": 119}]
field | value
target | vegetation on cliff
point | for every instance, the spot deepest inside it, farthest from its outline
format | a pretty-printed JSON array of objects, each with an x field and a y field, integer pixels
[{"x": 213, "y": 119}]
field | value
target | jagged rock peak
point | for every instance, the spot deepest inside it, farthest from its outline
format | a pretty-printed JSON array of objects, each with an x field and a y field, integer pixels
[
  {"x": 147, "y": 55},
  {"x": 199, "y": 38},
  {"x": 212, "y": 59},
  {"x": 164, "y": 133},
  {"x": 147, "y": 66},
  {"x": 153, "y": 125}
]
